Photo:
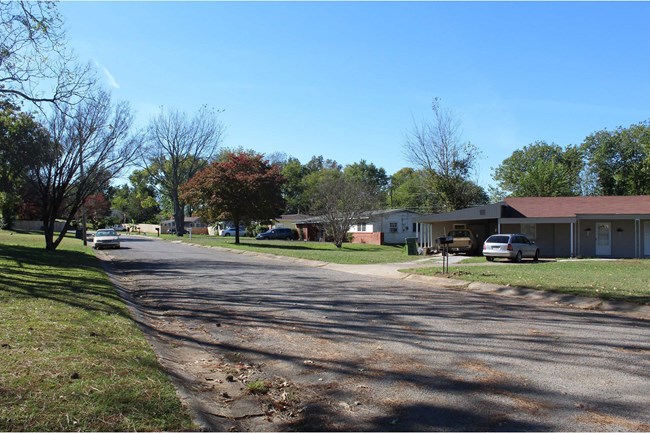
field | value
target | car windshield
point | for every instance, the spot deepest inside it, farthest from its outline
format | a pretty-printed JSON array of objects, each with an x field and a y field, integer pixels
[
  {"x": 459, "y": 233},
  {"x": 497, "y": 240},
  {"x": 105, "y": 233}
]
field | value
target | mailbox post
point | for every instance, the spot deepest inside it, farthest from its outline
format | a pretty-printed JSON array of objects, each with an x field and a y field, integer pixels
[{"x": 444, "y": 242}]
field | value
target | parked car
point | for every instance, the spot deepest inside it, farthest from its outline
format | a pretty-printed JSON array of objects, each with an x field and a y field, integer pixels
[
  {"x": 173, "y": 232},
  {"x": 231, "y": 231},
  {"x": 106, "y": 238},
  {"x": 280, "y": 233},
  {"x": 510, "y": 246},
  {"x": 464, "y": 241},
  {"x": 118, "y": 228}
]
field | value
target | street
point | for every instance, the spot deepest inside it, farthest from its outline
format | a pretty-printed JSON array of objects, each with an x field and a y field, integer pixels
[{"x": 342, "y": 351}]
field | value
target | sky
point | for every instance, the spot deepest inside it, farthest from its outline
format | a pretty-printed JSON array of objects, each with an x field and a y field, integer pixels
[{"x": 347, "y": 80}]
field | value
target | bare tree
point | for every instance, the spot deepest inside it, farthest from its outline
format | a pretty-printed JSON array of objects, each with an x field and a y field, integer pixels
[
  {"x": 90, "y": 145},
  {"x": 437, "y": 148},
  {"x": 35, "y": 64},
  {"x": 341, "y": 201},
  {"x": 177, "y": 148}
]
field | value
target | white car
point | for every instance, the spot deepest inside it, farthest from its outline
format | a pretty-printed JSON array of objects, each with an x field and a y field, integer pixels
[
  {"x": 106, "y": 238},
  {"x": 230, "y": 231},
  {"x": 510, "y": 246}
]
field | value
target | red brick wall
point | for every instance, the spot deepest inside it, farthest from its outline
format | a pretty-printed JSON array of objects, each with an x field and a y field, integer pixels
[{"x": 374, "y": 238}]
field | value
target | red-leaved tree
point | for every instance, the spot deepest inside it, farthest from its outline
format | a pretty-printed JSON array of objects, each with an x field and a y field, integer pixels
[
  {"x": 97, "y": 208},
  {"x": 241, "y": 187}
]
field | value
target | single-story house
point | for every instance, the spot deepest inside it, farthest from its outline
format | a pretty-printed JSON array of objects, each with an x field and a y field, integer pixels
[
  {"x": 289, "y": 220},
  {"x": 390, "y": 226},
  {"x": 595, "y": 226},
  {"x": 195, "y": 224}
]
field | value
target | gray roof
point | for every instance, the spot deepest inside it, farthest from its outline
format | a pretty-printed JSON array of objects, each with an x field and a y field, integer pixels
[
  {"x": 481, "y": 212},
  {"x": 366, "y": 215}
]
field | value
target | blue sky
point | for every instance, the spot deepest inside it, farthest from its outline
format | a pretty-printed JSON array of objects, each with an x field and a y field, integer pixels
[{"x": 346, "y": 79}]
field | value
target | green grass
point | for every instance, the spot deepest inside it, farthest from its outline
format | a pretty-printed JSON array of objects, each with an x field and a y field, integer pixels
[
  {"x": 621, "y": 280},
  {"x": 324, "y": 251},
  {"x": 70, "y": 356},
  {"x": 257, "y": 386}
]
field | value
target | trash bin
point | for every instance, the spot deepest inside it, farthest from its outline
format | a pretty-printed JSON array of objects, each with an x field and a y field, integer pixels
[
  {"x": 79, "y": 233},
  {"x": 412, "y": 246}
]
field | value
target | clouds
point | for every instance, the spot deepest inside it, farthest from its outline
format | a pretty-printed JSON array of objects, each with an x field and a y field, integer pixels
[{"x": 112, "y": 82}]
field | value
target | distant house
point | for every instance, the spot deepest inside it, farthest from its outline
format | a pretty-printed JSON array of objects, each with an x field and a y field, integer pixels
[
  {"x": 391, "y": 226},
  {"x": 195, "y": 224},
  {"x": 604, "y": 226}
]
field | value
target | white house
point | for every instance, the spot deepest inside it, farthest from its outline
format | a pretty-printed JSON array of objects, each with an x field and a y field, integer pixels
[{"x": 390, "y": 226}]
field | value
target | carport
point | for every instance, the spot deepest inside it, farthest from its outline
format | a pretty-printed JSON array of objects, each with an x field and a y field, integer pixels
[{"x": 481, "y": 220}]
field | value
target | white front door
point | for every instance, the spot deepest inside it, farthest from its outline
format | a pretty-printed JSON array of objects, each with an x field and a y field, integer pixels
[
  {"x": 646, "y": 238},
  {"x": 603, "y": 239}
]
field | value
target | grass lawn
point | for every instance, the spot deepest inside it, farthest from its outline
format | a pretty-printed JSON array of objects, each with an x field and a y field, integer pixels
[
  {"x": 71, "y": 359},
  {"x": 623, "y": 280},
  {"x": 323, "y": 251}
]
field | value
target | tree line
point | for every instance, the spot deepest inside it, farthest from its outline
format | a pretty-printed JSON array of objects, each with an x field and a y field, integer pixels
[{"x": 58, "y": 160}]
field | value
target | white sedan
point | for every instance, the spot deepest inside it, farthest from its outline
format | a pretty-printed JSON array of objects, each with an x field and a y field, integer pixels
[{"x": 106, "y": 238}]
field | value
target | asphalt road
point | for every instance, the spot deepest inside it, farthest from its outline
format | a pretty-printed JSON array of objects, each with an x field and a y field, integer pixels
[{"x": 344, "y": 351}]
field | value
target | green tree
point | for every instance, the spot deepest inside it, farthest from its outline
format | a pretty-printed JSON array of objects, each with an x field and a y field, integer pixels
[
  {"x": 541, "y": 170},
  {"x": 436, "y": 148},
  {"x": 618, "y": 162},
  {"x": 137, "y": 200},
  {"x": 374, "y": 177},
  {"x": 22, "y": 143},
  {"x": 240, "y": 188},
  {"x": 408, "y": 190},
  {"x": 293, "y": 189},
  {"x": 299, "y": 181}
]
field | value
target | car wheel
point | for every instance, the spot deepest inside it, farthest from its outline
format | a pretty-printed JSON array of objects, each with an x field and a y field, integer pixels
[
  {"x": 489, "y": 259},
  {"x": 518, "y": 257},
  {"x": 536, "y": 257},
  {"x": 289, "y": 238},
  {"x": 225, "y": 235}
]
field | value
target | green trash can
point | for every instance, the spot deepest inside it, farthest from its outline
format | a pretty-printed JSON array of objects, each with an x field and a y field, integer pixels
[{"x": 412, "y": 246}]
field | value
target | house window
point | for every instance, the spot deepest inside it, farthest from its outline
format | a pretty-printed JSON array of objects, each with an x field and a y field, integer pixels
[
  {"x": 361, "y": 227},
  {"x": 415, "y": 227},
  {"x": 530, "y": 230},
  {"x": 393, "y": 227}
]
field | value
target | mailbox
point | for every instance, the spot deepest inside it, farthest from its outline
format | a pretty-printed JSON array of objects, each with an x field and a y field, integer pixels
[{"x": 444, "y": 240}]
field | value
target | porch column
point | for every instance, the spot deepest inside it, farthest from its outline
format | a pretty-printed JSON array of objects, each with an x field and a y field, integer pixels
[
  {"x": 637, "y": 238},
  {"x": 572, "y": 240}
]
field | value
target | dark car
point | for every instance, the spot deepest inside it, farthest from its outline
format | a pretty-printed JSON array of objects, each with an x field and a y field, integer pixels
[{"x": 277, "y": 234}]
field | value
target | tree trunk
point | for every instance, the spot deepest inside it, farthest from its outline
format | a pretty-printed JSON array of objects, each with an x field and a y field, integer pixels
[
  {"x": 179, "y": 216},
  {"x": 236, "y": 221}
]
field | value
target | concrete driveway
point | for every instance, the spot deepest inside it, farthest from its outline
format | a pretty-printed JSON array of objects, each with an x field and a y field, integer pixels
[{"x": 342, "y": 351}]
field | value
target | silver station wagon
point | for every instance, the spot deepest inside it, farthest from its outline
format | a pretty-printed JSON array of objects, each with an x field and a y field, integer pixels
[{"x": 510, "y": 246}]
